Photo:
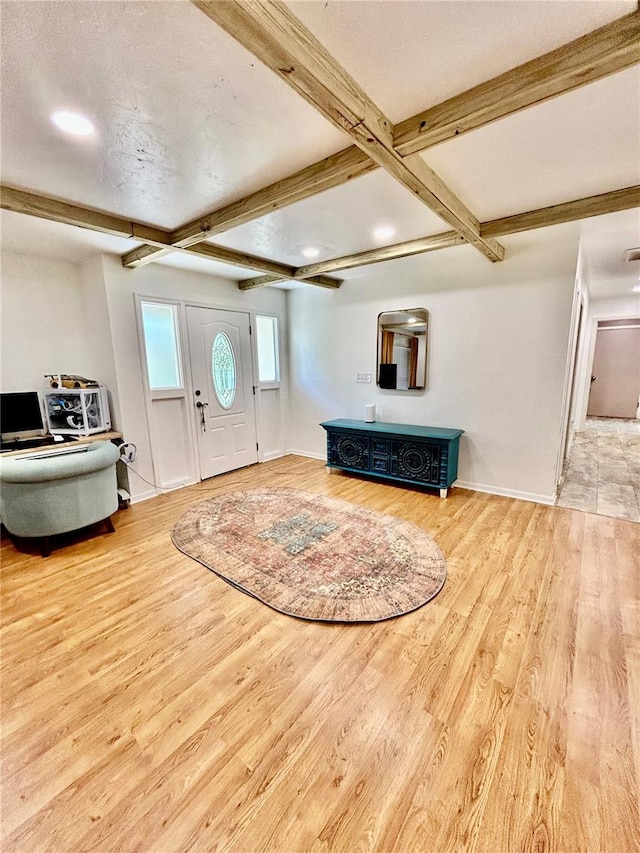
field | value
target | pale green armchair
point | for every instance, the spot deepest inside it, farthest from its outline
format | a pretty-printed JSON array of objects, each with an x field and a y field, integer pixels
[{"x": 41, "y": 496}]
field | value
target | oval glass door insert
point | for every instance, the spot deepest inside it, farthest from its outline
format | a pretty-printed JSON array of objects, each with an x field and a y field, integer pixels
[{"x": 223, "y": 370}]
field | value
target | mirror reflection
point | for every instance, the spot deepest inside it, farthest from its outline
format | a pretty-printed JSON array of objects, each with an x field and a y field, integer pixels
[{"x": 402, "y": 349}]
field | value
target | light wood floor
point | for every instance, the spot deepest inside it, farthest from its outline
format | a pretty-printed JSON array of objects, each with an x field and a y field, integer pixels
[{"x": 148, "y": 706}]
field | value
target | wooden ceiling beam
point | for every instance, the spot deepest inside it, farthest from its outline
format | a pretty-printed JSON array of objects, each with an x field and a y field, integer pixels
[
  {"x": 604, "y": 51},
  {"x": 386, "y": 253},
  {"x": 68, "y": 213},
  {"x": 55, "y": 210},
  {"x": 331, "y": 172},
  {"x": 240, "y": 259},
  {"x": 264, "y": 280},
  {"x": 226, "y": 256},
  {"x": 557, "y": 214},
  {"x": 278, "y": 39},
  {"x": 145, "y": 254},
  {"x": 270, "y": 269},
  {"x": 569, "y": 211},
  {"x": 274, "y": 35},
  {"x": 611, "y": 48}
]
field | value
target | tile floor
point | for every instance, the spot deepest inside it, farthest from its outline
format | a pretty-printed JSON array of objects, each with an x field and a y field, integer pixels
[{"x": 602, "y": 474}]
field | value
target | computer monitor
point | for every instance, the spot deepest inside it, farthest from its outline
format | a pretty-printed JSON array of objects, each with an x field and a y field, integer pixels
[{"x": 20, "y": 415}]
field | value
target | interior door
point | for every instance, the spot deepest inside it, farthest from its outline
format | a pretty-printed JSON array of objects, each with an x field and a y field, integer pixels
[
  {"x": 221, "y": 371},
  {"x": 615, "y": 385}
]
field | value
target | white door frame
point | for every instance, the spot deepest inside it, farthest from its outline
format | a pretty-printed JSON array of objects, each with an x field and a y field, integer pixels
[
  {"x": 248, "y": 381},
  {"x": 191, "y": 435},
  {"x": 570, "y": 376}
]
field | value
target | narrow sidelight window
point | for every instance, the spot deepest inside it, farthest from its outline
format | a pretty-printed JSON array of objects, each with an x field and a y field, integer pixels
[
  {"x": 267, "y": 345},
  {"x": 160, "y": 327}
]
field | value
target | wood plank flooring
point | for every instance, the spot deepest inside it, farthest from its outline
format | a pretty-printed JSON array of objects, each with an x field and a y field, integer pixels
[{"x": 149, "y": 706}]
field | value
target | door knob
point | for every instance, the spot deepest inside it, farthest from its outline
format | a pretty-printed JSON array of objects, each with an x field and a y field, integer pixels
[{"x": 202, "y": 406}]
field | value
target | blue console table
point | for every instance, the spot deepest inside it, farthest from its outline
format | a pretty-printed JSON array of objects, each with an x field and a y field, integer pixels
[{"x": 426, "y": 456}]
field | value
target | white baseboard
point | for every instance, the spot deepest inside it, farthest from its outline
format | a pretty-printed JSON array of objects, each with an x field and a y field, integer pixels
[
  {"x": 273, "y": 454},
  {"x": 321, "y": 456},
  {"x": 171, "y": 486},
  {"x": 548, "y": 500},
  {"x": 178, "y": 483},
  {"x": 144, "y": 496}
]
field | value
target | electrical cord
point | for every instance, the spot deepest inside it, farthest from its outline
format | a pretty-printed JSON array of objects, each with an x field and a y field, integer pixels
[
  {"x": 148, "y": 482},
  {"x": 166, "y": 494},
  {"x": 129, "y": 453}
]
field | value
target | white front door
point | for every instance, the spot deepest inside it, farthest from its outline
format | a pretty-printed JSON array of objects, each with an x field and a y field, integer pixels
[{"x": 222, "y": 375}]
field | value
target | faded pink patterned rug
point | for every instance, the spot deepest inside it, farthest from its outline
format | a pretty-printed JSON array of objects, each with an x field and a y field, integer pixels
[{"x": 312, "y": 556}]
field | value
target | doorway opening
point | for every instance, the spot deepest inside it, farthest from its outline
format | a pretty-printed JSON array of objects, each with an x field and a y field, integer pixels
[
  {"x": 602, "y": 471},
  {"x": 615, "y": 375}
]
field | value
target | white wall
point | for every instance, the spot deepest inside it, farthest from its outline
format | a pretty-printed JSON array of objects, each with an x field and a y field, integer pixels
[
  {"x": 96, "y": 313},
  {"x": 497, "y": 349},
  {"x": 45, "y": 328},
  {"x": 157, "y": 280},
  {"x": 497, "y": 355},
  {"x": 68, "y": 318},
  {"x": 615, "y": 308}
]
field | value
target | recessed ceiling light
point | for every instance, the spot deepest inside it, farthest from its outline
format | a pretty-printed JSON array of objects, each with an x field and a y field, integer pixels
[
  {"x": 310, "y": 251},
  {"x": 384, "y": 232},
  {"x": 73, "y": 123},
  {"x": 636, "y": 288}
]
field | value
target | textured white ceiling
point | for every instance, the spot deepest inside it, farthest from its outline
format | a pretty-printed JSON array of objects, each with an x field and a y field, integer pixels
[
  {"x": 411, "y": 54},
  {"x": 187, "y": 120},
  {"x": 29, "y": 236},
  {"x": 604, "y": 241},
  {"x": 584, "y": 143},
  {"x": 339, "y": 222}
]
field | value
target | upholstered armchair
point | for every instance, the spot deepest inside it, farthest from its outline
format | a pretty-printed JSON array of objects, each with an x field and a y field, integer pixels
[{"x": 43, "y": 495}]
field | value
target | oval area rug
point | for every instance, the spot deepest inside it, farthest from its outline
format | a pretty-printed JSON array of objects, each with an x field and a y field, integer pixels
[{"x": 312, "y": 556}]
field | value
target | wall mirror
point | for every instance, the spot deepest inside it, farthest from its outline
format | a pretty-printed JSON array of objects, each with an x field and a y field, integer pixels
[{"x": 402, "y": 349}]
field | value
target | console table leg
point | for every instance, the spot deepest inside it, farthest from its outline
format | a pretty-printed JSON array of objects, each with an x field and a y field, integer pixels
[{"x": 444, "y": 493}]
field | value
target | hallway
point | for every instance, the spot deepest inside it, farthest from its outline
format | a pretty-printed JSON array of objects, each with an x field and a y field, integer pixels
[{"x": 602, "y": 473}]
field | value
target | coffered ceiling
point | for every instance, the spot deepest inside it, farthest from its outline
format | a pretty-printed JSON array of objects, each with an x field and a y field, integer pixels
[{"x": 189, "y": 122}]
